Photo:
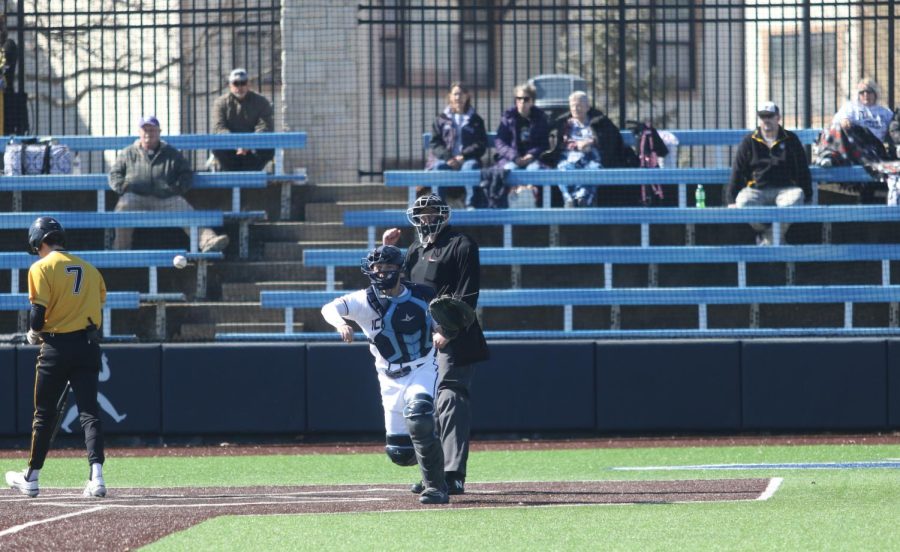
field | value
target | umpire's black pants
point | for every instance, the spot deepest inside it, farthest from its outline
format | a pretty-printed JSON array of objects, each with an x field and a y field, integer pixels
[
  {"x": 66, "y": 357},
  {"x": 454, "y": 413}
]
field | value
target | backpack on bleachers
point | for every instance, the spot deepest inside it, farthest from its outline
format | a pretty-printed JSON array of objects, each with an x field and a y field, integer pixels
[
  {"x": 36, "y": 156},
  {"x": 649, "y": 147}
]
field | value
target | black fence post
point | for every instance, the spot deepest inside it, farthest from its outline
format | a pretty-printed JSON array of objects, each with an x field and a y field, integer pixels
[
  {"x": 622, "y": 64},
  {"x": 807, "y": 65}
]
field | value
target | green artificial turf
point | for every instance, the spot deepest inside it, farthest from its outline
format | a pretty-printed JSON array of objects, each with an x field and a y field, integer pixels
[{"x": 825, "y": 509}]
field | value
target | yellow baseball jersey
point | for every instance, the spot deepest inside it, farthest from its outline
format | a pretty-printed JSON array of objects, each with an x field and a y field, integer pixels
[{"x": 71, "y": 289}]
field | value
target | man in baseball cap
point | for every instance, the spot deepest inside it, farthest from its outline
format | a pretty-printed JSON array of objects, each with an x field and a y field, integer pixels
[
  {"x": 152, "y": 175},
  {"x": 767, "y": 109},
  {"x": 242, "y": 110},
  {"x": 148, "y": 120},
  {"x": 770, "y": 169},
  {"x": 238, "y": 75}
]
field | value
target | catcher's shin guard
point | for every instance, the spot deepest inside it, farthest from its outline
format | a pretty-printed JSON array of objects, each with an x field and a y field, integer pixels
[
  {"x": 399, "y": 449},
  {"x": 419, "y": 414}
]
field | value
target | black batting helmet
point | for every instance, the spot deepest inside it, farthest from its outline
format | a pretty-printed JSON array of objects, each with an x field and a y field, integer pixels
[
  {"x": 43, "y": 229},
  {"x": 429, "y": 214}
]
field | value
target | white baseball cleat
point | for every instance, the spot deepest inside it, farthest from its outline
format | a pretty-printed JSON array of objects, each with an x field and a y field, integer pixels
[
  {"x": 95, "y": 488},
  {"x": 17, "y": 481}
]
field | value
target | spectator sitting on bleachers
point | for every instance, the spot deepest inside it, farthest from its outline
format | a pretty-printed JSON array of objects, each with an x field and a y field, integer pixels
[
  {"x": 584, "y": 138},
  {"x": 151, "y": 175},
  {"x": 521, "y": 139},
  {"x": 865, "y": 111},
  {"x": 770, "y": 168},
  {"x": 458, "y": 140},
  {"x": 242, "y": 110}
]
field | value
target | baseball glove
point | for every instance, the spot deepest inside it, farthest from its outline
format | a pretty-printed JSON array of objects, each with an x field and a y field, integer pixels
[{"x": 451, "y": 315}]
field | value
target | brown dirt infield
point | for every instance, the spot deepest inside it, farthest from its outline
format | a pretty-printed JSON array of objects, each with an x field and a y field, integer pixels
[{"x": 60, "y": 519}]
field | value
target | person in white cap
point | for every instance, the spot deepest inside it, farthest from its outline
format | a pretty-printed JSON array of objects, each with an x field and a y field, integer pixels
[
  {"x": 770, "y": 169},
  {"x": 242, "y": 110},
  {"x": 151, "y": 175}
]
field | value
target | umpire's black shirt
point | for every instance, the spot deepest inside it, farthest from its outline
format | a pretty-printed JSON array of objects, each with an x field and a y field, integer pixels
[{"x": 452, "y": 266}]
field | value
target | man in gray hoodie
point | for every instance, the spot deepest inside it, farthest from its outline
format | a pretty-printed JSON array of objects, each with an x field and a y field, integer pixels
[{"x": 151, "y": 175}]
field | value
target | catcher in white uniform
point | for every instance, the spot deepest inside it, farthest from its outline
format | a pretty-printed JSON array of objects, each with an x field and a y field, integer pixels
[{"x": 395, "y": 318}]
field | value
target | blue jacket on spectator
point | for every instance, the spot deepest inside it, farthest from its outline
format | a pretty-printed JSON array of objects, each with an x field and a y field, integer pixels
[
  {"x": 443, "y": 138},
  {"x": 506, "y": 143}
]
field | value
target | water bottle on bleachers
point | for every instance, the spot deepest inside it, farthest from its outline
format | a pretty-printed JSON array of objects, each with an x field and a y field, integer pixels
[{"x": 700, "y": 197}]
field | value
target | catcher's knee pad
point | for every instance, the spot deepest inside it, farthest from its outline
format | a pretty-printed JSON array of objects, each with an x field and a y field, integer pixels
[
  {"x": 419, "y": 414},
  {"x": 399, "y": 449}
]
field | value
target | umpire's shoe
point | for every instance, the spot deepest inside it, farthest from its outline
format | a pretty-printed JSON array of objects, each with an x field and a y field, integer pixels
[
  {"x": 455, "y": 486},
  {"x": 434, "y": 496},
  {"x": 17, "y": 481}
]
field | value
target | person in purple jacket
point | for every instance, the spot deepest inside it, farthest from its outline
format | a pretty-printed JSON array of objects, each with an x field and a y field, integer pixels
[
  {"x": 522, "y": 135},
  {"x": 523, "y": 132},
  {"x": 458, "y": 139}
]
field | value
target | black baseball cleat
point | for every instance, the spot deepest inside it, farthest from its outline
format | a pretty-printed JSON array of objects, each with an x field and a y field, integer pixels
[
  {"x": 434, "y": 496},
  {"x": 454, "y": 486}
]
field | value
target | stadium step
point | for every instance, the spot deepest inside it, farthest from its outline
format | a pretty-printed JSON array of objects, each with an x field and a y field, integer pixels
[
  {"x": 207, "y": 332},
  {"x": 305, "y": 231},
  {"x": 371, "y": 191},
  {"x": 293, "y": 251},
  {"x": 263, "y": 271},
  {"x": 334, "y": 211},
  {"x": 260, "y": 327},
  {"x": 249, "y": 291}
]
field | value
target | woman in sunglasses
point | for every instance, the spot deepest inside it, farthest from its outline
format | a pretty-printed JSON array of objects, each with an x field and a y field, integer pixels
[
  {"x": 864, "y": 111},
  {"x": 523, "y": 131}
]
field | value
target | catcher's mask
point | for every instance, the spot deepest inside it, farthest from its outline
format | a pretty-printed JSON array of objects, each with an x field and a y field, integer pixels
[
  {"x": 382, "y": 279},
  {"x": 45, "y": 229},
  {"x": 429, "y": 214}
]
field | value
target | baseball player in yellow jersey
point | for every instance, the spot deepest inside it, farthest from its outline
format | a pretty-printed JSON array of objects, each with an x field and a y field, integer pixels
[{"x": 67, "y": 296}]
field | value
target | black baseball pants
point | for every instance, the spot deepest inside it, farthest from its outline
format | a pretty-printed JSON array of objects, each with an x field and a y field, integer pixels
[
  {"x": 65, "y": 358},
  {"x": 454, "y": 412}
]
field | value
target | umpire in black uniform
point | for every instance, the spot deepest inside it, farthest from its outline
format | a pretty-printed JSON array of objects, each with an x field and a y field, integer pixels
[
  {"x": 447, "y": 261},
  {"x": 67, "y": 295}
]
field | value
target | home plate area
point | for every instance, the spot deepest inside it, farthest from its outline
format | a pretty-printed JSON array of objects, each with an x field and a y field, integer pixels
[{"x": 128, "y": 518}]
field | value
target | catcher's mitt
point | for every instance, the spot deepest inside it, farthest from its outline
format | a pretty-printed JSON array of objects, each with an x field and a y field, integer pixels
[{"x": 451, "y": 315}]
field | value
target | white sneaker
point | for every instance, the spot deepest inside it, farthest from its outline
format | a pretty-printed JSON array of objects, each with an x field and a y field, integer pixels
[
  {"x": 16, "y": 480},
  {"x": 218, "y": 243},
  {"x": 95, "y": 488}
]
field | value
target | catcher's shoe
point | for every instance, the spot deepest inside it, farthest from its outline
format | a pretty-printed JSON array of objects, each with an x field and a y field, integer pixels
[
  {"x": 95, "y": 487},
  {"x": 417, "y": 487},
  {"x": 434, "y": 496},
  {"x": 17, "y": 481}
]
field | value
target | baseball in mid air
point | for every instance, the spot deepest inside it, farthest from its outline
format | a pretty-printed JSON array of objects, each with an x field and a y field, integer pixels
[{"x": 179, "y": 261}]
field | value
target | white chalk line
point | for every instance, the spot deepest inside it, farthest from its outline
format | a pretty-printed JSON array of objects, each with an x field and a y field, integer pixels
[
  {"x": 771, "y": 488},
  {"x": 217, "y": 504},
  {"x": 17, "y": 528}
]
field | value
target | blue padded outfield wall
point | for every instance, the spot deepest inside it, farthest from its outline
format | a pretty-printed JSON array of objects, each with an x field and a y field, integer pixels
[{"x": 611, "y": 387}]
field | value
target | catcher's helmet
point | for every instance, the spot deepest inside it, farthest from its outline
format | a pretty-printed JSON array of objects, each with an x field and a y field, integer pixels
[
  {"x": 429, "y": 214},
  {"x": 44, "y": 229},
  {"x": 383, "y": 255}
]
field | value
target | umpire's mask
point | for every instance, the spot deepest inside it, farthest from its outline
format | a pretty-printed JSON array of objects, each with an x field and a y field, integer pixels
[{"x": 429, "y": 214}]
